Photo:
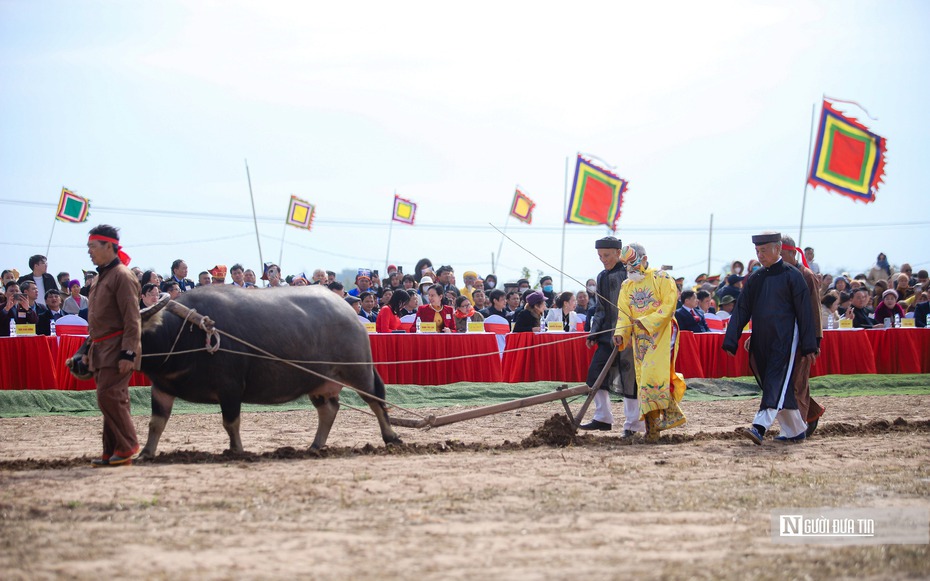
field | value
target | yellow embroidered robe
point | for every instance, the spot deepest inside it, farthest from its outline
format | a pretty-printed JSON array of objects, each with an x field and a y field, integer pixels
[{"x": 651, "y": 302}]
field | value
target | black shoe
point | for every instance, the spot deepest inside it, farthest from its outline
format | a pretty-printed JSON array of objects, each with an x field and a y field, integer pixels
[
  {"x": 596, "y": 425},
  {"x": 753, "y": 434},
  {"x": 628, "y": 434},
  {"x": 811, "y": 427}
]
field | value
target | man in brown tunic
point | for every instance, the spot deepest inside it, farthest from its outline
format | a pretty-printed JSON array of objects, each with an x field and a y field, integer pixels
[
  {"x": 810, "y": 409},
  {"x": 115, "y": 329}
]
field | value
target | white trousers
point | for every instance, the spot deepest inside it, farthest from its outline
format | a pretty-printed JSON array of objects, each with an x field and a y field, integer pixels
[
  {"x": 790, "y": 421},
  {"x": 631, "y": 413}
]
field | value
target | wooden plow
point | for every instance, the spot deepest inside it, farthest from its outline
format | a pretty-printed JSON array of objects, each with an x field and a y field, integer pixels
[{"x": 563, "y": 392}]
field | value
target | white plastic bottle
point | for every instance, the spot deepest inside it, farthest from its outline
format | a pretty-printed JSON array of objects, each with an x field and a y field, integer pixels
[
  {"x": 830, "y": 321},
  {"x": 897, "y": 321},
  {"x": 418, "y": 324},
  {"x": 13, "y": 327},
  {"x": 467, "y": 324},
  {"x": 51, "y": 328}
]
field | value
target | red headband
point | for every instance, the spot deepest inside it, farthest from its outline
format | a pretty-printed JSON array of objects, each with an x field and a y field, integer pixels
[
  {"x": 123, "y": 257},
  {"x": 796, "y": 249}
]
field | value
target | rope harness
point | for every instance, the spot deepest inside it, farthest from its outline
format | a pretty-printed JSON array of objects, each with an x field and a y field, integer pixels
[{"x": 207, "y": 325}]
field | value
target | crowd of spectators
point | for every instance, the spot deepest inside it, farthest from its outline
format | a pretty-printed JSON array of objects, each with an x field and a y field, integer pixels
[
  {"x": 882, "y": 296},
  {"x": 432, "y": 295}
]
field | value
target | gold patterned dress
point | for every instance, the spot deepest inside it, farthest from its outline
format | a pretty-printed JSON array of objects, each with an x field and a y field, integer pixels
[{"x": 646, "y": 322}]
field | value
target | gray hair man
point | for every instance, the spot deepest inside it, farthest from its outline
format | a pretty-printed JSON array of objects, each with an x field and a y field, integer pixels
[
  {"x": 621, "y": 379},
  {"x": 777, "y": 301}
]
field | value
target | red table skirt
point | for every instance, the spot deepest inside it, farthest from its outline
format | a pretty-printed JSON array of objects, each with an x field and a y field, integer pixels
[
  {"x": 842, "y": 352},
  {"x": 702, "y": 355},
  {"x": 562, "y": 357},
  {"x": 39, "y": 362},
  {"x": 27, "y": 362},
  {"x": 900, "y": 350},
  {"x": 393, "y": 347}
]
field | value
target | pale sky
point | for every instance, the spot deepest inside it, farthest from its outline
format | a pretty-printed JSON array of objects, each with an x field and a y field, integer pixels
[{"x": 150, "y": 109}]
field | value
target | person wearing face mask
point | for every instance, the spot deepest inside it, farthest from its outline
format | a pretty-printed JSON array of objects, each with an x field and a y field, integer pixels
[
  {"x": 490, "y": 283},
  {"x": 545, "y": 284},
  {"x": 591, "y": 288},
  {"x": 646, "y": 325}
]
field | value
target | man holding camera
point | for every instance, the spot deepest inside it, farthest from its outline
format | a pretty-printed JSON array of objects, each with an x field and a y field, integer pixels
[{"x": 16, "y": 308}]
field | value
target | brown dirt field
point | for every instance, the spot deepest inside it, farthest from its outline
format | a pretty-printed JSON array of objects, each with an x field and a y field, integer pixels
[{"x": 478, "y": 499}]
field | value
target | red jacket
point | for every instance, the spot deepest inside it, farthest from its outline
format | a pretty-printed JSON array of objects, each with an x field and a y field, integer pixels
[
  {"x": 387, "y": 320},
  {"x": 426, "y": 314}
]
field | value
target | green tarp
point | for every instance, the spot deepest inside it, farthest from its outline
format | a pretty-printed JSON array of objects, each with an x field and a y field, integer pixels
[{"x": 84, "y": 403}]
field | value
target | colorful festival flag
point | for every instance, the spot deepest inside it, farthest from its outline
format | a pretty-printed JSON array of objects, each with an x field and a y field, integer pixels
[
  {"x": 848, "y": 158},
  {"x": 522, "y": 207},
  {"x": 404, "y": 210},
  {"x": 72, "y": 207},
  {"x": 300, "y": 213},
  {"x": 597, "y": 196}
]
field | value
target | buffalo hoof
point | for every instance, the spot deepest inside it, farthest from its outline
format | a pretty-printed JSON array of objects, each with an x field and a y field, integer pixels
[
  {"x": 395, "y": 441},
  {"x": 145, "y": 456}
]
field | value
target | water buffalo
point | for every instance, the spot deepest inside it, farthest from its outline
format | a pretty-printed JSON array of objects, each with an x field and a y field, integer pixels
[{"x": 298, "y": 324}]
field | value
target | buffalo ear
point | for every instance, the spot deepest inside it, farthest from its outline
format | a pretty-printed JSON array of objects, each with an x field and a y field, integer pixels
[{"x": 148, "y": 312}]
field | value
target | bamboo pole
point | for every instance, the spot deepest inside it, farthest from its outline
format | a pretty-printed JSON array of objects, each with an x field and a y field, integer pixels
[
  {"x": 254, "y": 217},
  {"x": 710, "y": 241},
  {"x": 564, "y": 223},
  {"x": 810, "y": 144},
  {"x": 387, "y": 255},
  {"x": 576, "y": 421}
]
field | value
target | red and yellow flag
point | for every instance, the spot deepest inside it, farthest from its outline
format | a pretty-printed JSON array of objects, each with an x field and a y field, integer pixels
[
  {"x": 300, "y": 213},
  {"x": 597, "y": 196},
  {"x": 848, "y": 158},
  {"x": 522, "y": 207},
  {"x": 404, "y": 210}
]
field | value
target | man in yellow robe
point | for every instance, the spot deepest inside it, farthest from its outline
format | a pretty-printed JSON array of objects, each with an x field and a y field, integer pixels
[{"x": 646, "y": 323}]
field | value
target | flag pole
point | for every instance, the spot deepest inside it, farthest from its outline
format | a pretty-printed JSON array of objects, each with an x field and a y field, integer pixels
[
  {"x": 261, "y": 259},
  {"x": 564, "y": 222},
  {"x": 281, "y": 253},
  {"x": 387, "y": 256},
  {"x": 710, "y": 240},
  {"x": 50, "y": 237},
  {"x": 810, "y": 143},
  {"x": 499, "y": 247}
]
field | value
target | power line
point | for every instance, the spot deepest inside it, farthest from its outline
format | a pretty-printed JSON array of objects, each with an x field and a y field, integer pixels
[{"x": 537, "y": 229}]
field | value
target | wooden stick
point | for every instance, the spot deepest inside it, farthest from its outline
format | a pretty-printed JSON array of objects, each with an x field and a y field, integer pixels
[
  {"x": 258, "y": 240},
  {"x": 436, "y": 421},
  {"x": 597, "y": 385}
]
